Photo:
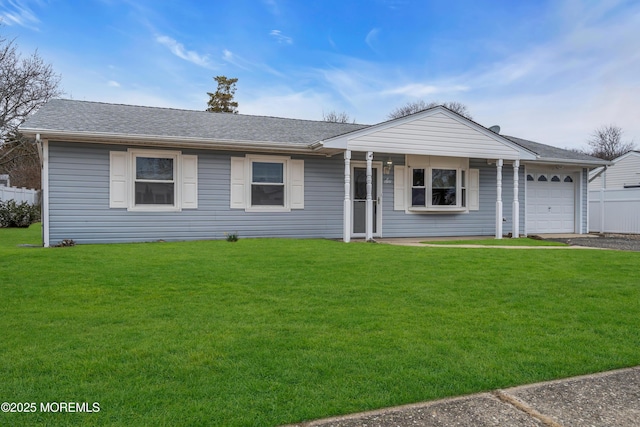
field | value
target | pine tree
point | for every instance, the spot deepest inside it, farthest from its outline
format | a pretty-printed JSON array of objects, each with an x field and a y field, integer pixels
[{"x": 222, "y": 100}]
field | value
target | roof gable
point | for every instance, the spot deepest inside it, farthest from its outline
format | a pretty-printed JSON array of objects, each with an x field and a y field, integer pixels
[{"x": 437, "y": 131}]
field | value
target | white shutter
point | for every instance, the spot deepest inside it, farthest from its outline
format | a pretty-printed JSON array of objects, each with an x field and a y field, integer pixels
[
  {"x": 399, "y": 188},
  {"x": 118, "y": 179},
  {"x": 237, "y": 191},
  {"x": 474, "y": 189},
  {"x": 189, "y": 182},
  {"x": 297, "y": 183}
]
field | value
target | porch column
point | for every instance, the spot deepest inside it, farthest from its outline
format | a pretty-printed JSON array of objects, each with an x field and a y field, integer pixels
[
  {"x": 346, "y": 232},
  {"x": 516, "y": 203},
  {"x": 499, "y": 199},
  {"x": 369, "y": 225}
]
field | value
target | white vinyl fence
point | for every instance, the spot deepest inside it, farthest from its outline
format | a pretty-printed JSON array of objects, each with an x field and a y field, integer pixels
[
  {"x": 19, "y": 194},
  {"x": 615, "y": 211}
]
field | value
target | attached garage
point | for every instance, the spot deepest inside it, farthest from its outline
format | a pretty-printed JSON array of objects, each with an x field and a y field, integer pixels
[{"x": 551, "y": 202}]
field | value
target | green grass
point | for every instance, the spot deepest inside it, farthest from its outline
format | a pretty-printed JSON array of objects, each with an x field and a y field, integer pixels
[
  {"x": 490, "y": 241},
  {"x": 274, "y": 331}
]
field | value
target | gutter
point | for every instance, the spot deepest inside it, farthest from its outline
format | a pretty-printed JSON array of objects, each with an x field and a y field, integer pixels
[
  {"x": 163, "y": 141},
  {"x": 573, "y": 162}
]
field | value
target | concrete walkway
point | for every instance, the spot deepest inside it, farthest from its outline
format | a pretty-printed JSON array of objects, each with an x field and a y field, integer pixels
[
  {"x": 424, "y": 242},
  {"x": 607, "y": 399}
]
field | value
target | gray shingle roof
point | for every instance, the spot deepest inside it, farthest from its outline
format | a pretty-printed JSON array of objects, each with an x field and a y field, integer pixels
[
  {"x": 550, "y": 152},
  {"x": 82, "y": 117},
  {"x": 72, "y": 116}
]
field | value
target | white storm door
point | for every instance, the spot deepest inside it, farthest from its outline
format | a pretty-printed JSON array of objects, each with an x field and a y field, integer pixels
[{"x": 359, "y": 197}]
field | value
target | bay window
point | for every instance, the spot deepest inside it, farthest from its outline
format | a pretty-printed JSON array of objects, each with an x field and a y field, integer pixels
[{"x": 437, "y": 183}]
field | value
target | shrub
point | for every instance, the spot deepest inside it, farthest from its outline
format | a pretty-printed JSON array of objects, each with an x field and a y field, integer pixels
[
  {"x": 231, "y": 237},
  {"x": 20, "y": 215},
  {"x": 64, "y": 243}
]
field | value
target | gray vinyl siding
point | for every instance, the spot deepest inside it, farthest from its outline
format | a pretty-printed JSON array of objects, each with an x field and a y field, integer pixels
[
  {"x": 79, "y": 202},
  {"x": 473, "y": 223}
]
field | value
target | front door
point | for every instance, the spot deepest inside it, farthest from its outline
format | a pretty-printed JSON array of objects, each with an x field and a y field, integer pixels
[{"x": 359, "y": 197}]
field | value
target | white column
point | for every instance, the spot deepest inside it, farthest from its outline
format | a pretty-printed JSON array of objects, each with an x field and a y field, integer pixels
[
  {"x": 369, "y": 224},
  {"x": 516, "y": 204},
  {"x": 602, "y": 191},
  {"x": 346, "y": 232},
  {"x": 499, "y": 199}
]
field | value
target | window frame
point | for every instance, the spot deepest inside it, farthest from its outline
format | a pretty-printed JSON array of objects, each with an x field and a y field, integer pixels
[
  {"x": 177, "y": 194},
  {"x": 429, "y": 165},
  {"x": 286, "y": 185}
]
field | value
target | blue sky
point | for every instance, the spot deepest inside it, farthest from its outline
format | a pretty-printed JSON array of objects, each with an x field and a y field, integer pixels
[{"x": 551, "y": 71}]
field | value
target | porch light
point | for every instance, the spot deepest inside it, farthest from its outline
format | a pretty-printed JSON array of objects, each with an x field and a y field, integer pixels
[{"x": 388, "y": 166}]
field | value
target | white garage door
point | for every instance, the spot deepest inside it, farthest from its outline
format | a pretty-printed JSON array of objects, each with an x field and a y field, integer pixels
[{"x": 550, "y": 202}]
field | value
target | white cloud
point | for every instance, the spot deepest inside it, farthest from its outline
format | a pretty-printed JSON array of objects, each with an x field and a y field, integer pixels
[
  {"x": 280, "y": 38},
  {"x": 419, "y": 90},
  {"x": 283, "y": 102},
  {"x": 272, "y": 6},
  {"x": 113, "y": 83},
  {"x": 179, "y": 50},
  {"x": 371, "y": 38},
  {"x": 17, "y": 12}
]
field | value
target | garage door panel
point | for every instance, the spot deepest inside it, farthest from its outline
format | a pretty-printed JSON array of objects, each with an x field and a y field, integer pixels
[{"x": 550, "y": 205}]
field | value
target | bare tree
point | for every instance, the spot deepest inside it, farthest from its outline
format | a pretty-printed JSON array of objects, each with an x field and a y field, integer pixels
[
  {"x": 606, "y": 143},
  {"x": 412, "y": 107},
  {"x": 20, "y": 159},
  {"x": 26, "y": 83},
  {"x": 335, "y": 117}
]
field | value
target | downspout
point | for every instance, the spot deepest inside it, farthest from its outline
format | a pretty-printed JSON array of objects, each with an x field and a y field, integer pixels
[
  {"x": 43, "y": 148},
  {"x": 604, "y": 169}
]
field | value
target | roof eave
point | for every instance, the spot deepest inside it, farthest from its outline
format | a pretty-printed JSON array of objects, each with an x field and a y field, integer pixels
[
  {"x": 572, "y": 162},
  {"x": 168, "y": 141}
]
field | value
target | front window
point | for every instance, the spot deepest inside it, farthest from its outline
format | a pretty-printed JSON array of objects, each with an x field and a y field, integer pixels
[
  {"x": 267, "y": 184},
  {"x": 438, "y": 188},
  {"x": 154, "y": 181},
  {"x": 418, "y": 188},
  {"x": 443, "y": 187}
]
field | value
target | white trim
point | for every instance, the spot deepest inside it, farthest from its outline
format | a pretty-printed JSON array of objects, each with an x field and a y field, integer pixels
[
  {"x": 526, "y": 207},
  {"x": 177, "y": 181},
  {"x": 515, "y": 209},
  {"x": 45, "y": 193},
  {"x": 379, "y": 197},
  {"x": 499, "y": 199},
  {"x": 429, "y": 163},
  {"x": 579, "y": 202},
  {"x": 369, "y": 214},
  {"x": 284, "y": 160},
  {"x": 345, "y": 141},
  {"x": 346, "y": 210}
]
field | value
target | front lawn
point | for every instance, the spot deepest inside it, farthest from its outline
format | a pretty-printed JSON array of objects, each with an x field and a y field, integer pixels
[{"x": 274, "y": 331}]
